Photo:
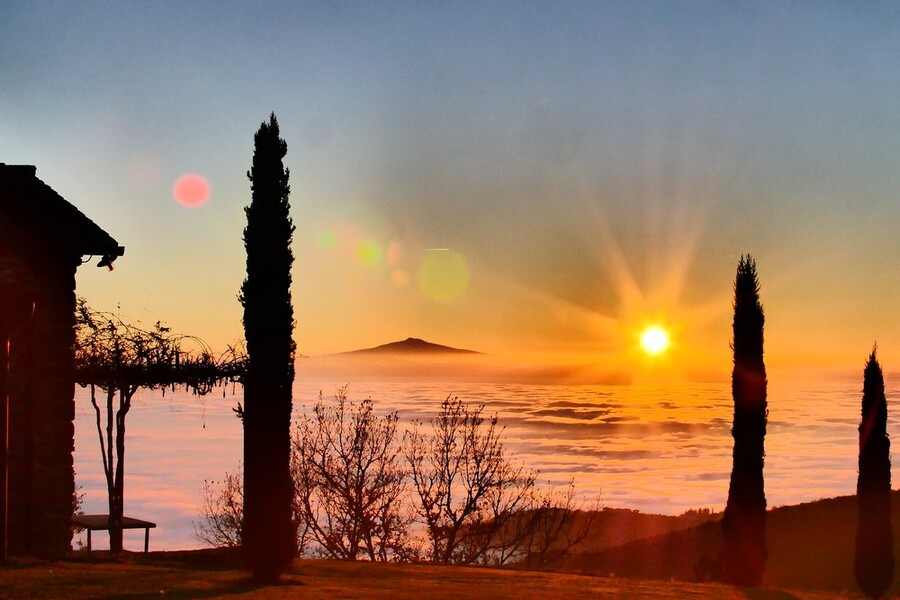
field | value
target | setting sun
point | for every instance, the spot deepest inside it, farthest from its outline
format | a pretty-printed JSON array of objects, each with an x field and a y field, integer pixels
[{"x": 654, "y": 340}]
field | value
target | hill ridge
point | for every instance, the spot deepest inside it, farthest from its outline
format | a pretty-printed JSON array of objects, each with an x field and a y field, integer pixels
[{"x": 811, "y": 546}]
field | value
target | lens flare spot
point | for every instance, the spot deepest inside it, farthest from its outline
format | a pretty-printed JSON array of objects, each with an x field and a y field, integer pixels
[
  {"x": 655, "y": 340},
  {"x": 400, "y": 278},
  {"x": 443, "y": 275},
  {"x": 393, "y": 254},
  {"x": 191, "y": 190},
  {"x": 368, "y": 253},
  {"x": 326, "y": 239},
  {"x": 347, "y": 239}
]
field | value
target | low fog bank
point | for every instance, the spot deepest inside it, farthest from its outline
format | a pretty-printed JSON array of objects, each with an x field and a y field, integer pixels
[{"x": 470, "y": 368}]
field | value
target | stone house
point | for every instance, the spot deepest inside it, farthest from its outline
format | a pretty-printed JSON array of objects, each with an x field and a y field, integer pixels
[{"x": 46, "y": 238}]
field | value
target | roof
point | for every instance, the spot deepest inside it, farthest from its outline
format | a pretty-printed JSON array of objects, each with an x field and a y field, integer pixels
[{"x": 36, "y": 209}]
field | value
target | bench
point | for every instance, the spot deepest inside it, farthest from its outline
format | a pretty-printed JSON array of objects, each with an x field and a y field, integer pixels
[{"x": 101, "y": 523}]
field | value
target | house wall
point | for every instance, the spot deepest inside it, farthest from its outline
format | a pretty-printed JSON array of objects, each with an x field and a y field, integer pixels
[{"x": 42, "y": 413}]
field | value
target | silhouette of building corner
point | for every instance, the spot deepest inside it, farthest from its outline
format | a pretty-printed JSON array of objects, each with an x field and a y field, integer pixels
[{"x": 46, "y": 239}]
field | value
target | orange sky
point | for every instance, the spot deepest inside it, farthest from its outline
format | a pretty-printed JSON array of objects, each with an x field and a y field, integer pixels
[
  {"x": 535, "y": 182},
  {"x": 347, "y": 299}
]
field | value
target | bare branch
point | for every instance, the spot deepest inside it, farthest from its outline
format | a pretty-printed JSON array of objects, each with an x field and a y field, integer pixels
[{"x": 348, "y": 481}]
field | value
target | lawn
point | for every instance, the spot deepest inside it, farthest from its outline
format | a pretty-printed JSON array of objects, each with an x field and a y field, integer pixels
[{"x": 215, "y": 574}]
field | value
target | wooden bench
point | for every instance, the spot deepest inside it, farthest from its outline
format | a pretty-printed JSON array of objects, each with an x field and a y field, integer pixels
[{"x": 101, "y": 523}]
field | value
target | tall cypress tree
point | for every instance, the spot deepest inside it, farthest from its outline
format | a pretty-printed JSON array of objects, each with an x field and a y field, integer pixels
[
  {"x": 744, "y": 522},
  {"x": 874, "y": 560},
  {"x": 267, "y": 535}
]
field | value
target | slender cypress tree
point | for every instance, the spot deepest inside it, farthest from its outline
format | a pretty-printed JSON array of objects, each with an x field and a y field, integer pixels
[
  {"x": 744, "y": 522},
  {"x": 874, "y": 560},
  {"x": 267, "y": 535}
]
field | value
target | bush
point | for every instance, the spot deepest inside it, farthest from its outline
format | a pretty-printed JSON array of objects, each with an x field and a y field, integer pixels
[{"x": 222, "y": 512}]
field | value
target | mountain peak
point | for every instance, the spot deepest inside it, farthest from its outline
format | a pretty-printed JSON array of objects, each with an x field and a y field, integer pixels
[{"x": 411, "y": 345}]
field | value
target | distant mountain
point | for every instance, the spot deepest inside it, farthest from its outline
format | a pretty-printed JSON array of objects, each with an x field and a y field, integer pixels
[{"x": 409, "y": 346}]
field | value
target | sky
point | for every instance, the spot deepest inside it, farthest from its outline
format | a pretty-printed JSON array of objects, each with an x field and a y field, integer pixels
[{"x": 533, "y": 180}]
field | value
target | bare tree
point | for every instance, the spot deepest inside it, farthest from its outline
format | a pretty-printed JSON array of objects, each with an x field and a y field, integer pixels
[
  {"x": 221, "y": 514},
  {"x": 348, "y": 481},
  {"x": 543, "y": 528},
  {"x": 222, "y": 511},
  {"x": 352, "y": 498},
  {"x": 557, "y": 523},
  {"x": 467, "y": 488}
]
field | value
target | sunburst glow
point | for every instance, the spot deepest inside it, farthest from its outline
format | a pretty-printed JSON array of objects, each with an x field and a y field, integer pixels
[{"x": 655, "y": 340}]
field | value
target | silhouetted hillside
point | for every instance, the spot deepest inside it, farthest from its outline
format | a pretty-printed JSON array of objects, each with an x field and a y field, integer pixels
[
  {"x": 664, "y": 556},
  {"x": 810, "y": 546},
  {"x": 613, "y": 527},
  {"x": 409, "y": 346}
]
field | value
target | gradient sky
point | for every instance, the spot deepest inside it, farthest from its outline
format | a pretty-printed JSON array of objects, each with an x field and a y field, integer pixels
[{"x": 593, "y": 167}]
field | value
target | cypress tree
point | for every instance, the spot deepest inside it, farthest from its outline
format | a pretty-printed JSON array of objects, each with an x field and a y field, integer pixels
[
  {"x": 744, "y": 522},
  {"x": 874, "y": 559},
  {"x": 268, "y": 535}
]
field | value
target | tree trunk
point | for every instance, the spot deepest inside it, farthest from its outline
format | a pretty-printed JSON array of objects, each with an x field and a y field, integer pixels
[
  {"x": 267, "y": 535},
  {"x": 117, "y": 503}
]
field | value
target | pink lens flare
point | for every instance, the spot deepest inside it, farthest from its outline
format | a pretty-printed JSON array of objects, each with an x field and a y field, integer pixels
[{"x": 191, "y": 190}]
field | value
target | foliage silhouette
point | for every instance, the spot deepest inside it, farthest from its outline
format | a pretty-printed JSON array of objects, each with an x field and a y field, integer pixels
[
  {"x": 744, "y": 522},
  {"x": 268, "y": 532},
  {"x": 118, "y": 358},
  {"x": 874, "y": 559}
]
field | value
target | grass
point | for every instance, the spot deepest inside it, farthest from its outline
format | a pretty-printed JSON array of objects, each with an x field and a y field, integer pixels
[{"x": 217, "y": 574}]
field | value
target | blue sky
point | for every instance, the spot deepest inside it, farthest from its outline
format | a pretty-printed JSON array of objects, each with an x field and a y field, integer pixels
[{"x": 596, "y": 165}]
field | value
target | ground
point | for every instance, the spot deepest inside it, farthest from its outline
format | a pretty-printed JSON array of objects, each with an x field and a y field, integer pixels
[{"x": 215, "y": 574}]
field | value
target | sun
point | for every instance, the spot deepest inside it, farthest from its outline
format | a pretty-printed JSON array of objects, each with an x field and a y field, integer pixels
[{"x": 654, "y": 340}]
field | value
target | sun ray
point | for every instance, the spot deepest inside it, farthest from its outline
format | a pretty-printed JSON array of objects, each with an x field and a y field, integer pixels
[{"x": 667, "y": 245}]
